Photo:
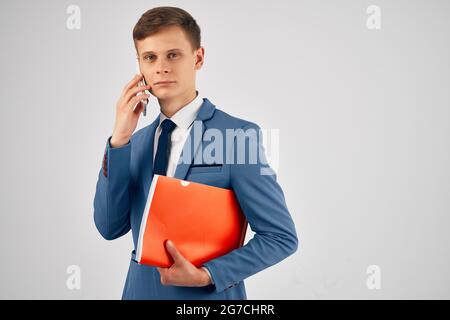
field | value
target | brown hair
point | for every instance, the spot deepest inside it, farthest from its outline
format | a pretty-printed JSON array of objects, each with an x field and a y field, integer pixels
[{"x": 157, "y": 18}]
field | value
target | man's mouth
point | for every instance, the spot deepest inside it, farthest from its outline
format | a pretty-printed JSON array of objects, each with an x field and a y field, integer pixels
[{"x": 163, "y": 83}]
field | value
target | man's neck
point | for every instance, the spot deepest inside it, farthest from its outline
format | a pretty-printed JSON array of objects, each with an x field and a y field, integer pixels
[{"x": 170, "y": 107}]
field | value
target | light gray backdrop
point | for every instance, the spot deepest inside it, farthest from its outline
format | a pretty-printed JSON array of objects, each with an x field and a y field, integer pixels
[{"x": 364, "y": 138}]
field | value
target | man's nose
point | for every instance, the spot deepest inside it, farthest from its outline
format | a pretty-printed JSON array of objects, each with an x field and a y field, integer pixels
[{"x": 162, "y": 67}]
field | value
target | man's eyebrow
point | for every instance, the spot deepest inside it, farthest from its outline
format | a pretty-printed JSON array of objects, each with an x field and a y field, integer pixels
[{"x": 174, "y": 49}]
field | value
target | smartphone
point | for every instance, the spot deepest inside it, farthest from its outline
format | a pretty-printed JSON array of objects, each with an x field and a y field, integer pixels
[{"x": 142, "y": 83}]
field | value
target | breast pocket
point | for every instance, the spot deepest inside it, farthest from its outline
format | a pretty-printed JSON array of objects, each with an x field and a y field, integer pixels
[{"x": 205, "y": 168}]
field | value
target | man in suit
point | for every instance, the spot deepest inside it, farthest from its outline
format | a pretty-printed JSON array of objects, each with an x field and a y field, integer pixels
[{"x": 175, "y": 144}]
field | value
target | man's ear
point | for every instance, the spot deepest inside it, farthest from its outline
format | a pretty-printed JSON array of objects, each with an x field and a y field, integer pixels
[{"x": 200, "y": 58}]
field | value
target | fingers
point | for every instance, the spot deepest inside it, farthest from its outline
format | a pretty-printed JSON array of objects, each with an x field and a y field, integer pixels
[
  {"x": 139, "y": 108},
  {"x": 132, "y": 83},
  {"x": 134, "y": 91},
  {"x": 176, "y": 255},
  {"x": 132, "y": 103}
]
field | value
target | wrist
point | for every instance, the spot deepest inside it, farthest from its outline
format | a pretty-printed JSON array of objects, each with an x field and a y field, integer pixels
[
  {"x": 118, "y": 142},
  {"x": 205, "y": 277}
]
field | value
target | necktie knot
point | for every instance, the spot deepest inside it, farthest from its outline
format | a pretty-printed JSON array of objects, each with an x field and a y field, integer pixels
[{"x": 168, "y": 125}]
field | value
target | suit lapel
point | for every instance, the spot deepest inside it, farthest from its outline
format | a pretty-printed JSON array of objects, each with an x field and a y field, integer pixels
[
  {"x": 147, "y": 158},
  {"x": 194, "y": 139}
]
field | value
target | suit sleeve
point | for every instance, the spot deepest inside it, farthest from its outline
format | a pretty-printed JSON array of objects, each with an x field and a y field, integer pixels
[
  {"x": 112, "y": 199},
  {"x": 262, "y": 201}
]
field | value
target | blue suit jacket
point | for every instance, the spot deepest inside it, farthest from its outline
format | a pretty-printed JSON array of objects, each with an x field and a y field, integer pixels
[{"x": 122, "y": 188}]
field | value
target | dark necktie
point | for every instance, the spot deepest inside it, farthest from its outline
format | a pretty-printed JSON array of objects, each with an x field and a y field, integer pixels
[{"x": 162, "y": 153}]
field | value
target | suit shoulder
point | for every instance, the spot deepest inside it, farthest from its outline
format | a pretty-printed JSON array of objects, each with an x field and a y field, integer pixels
[{"x": 232, "y": 122}]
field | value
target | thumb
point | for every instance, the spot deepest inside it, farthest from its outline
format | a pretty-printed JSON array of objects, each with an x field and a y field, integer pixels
[{"x": 176, "y": 255}]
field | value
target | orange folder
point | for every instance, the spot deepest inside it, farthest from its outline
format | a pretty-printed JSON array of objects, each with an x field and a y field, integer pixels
[{"x": 203, "y": 221}]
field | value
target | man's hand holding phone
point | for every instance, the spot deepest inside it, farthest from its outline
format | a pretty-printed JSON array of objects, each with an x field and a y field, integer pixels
[{"x": 128, "y": 110}]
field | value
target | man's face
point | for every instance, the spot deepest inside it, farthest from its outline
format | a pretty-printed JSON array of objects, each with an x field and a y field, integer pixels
[{"x": 167, "y": 56}]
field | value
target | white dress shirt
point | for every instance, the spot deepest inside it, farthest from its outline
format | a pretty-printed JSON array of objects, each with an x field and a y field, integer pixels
[{"x": 183, "y": 118}]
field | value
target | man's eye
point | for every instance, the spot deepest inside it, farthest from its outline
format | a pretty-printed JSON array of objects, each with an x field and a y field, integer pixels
[
  {"x": 173, "y": 54},
  {"x": 147, "y": 57}
]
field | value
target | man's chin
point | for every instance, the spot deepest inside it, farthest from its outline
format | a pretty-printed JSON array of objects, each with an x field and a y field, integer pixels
[{"x": 164, "y": 95}]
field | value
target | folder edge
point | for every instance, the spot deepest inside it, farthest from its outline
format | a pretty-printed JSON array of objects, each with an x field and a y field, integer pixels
[{"x": 145, "y": 216}]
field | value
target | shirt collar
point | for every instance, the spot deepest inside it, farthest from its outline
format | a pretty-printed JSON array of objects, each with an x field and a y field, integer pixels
[{"x": 184, "y": 117}]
